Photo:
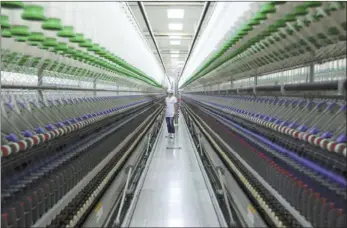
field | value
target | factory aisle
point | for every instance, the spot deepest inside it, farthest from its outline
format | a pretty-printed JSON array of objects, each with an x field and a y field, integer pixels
[{"x": 174, "y": 193}]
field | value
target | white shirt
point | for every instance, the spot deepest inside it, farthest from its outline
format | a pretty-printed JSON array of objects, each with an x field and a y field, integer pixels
[{"x": 170, "y": 106}]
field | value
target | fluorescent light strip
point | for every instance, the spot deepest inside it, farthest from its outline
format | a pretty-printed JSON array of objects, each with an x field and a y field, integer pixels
[
  {"x": 175, "y": 55},
  {"x": 175, "y": 42},
  {"x": 175, "y": 26},
  {"x": 175, "y": 13},
  {"x": 174, "y": 51}
]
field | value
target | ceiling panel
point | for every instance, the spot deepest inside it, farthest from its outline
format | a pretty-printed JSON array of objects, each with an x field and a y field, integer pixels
[
  {"x": 159, "y": 22},
  {"x": 164, "y": 44}
]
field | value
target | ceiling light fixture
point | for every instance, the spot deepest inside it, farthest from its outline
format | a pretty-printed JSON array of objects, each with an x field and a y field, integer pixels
[
  {"x": 175, "y": 42},
  {"x": 175, "y": 13},
  {"x": 175, "y": 55},
  {"x": 175, "y": 26},
  {"x": 174, "y": 51}
]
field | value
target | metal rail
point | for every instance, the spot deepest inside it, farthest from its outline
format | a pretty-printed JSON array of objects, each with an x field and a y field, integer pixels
[
  {"x": 200, "y": 154},
  {"x": 67, "y": 198},
  {"x": 126, "y": 188},
  {"x": 145, "y": 18},
  {"x": 218, "y": 144},
  {"x": 201, "y": 21},
  {"x": 23, "y": 87},
  {"x": 155, "y": 132},
  {"x": 133, "y": 139},
  {"x": 136, "y": 162},
  {"x": 336, "y": 89}
]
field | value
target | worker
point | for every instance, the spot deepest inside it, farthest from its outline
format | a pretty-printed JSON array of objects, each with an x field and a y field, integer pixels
[{"x": 170, "y": 112}]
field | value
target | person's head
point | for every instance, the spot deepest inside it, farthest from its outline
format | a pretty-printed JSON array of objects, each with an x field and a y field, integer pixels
[{"x": 169, "y": 92}]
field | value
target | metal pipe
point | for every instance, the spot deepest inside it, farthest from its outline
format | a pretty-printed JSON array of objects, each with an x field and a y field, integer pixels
[
  {"x": 171, "y": 3},
  {"x": 221, "y": 180},
  {"x": 148, "y": 144},
  {"x": 145, "y": 18},
  {"x": 123, "y": 197},
  {"x": 202, "y": 18},
  {"x": 23, "y": 87}
]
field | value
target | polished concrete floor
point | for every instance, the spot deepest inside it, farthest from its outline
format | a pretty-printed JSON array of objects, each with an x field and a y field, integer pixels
[{"x": 174, "y": 193}]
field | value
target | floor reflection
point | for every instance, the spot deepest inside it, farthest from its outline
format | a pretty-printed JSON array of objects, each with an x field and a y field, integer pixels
[{"x": 172, "y": 187}]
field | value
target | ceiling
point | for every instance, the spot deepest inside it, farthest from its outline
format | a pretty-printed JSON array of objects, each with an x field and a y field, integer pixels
[{"x": 173, "y": 55}]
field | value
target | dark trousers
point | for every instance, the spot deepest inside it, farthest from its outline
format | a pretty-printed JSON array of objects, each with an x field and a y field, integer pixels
[{"x": 170, "y": 125}]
